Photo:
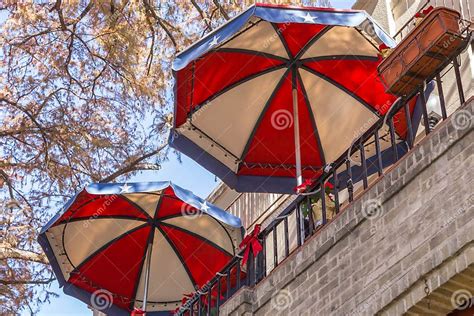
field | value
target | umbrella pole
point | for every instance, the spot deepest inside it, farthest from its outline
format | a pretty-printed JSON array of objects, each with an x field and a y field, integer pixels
[
  {"x": 299, "y": 178},
  {"x": 147, "y": 275}
]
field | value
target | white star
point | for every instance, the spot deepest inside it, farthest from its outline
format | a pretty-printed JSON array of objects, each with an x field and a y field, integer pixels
[
  {"x": 204, "y": 206},
  {"x": 125, "y": 188},
  {"x": 214, "y": 41},
  {"x": 309, "y": 18}
]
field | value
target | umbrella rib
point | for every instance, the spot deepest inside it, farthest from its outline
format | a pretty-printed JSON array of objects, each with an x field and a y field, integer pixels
[
  {"x": 136, "y": 206},
  {"x": 228, "y": 235},
  {"x": 78, "y": 208},
  {"x": 178, "y": 255},
  {"x": 251, "y": 52},
  {"x": 262, "y": 115},
  {"x": 162, "y": 219},
  {"x": 158, "y": 205},
  {"x": 315, "y": 38},
  {"x": 106, "y": 245},
  {"x": 207, "y": 241},
  {"x": 341, "y": 87},
  {"x": 313, "y": 120},
  {"x": 339, "y": 57},
  {"x": 282, "y": 40},
  {"x": 92, "y": 217},
  {"x": 235, "y": 84}
]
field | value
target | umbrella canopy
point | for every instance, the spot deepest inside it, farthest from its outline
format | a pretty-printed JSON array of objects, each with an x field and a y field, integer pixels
[
  {"x": 279, "y": 92},
  {"x": 115, "y": 244}
]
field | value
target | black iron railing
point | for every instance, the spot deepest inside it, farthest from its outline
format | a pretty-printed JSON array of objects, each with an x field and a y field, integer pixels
[
  {"x": 209, "y": 299},
  {"x": 465, "y": 7}
]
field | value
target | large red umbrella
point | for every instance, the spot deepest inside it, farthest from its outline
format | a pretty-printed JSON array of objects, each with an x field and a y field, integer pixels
[
  {"x": 278, "y": 93},
  {"x": 140, "y": 245}
]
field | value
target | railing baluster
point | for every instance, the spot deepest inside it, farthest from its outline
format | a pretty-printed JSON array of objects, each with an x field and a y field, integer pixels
[
  {"x": 311, "y": 221},
  {"x": 426, "y": 120},
  {"x": 287, "y": 243},
  {"x": 275, "y": 248},
  {"x": 442, "y": 103},
  {"x": 218, "y": 298},
  {"x": 378, "y": 152},
  {"x": 323, "y": 203},
  {"x": 199, "y": 305},
  {"x": 209, "y": 300},
  {"x": 237, "y": 273},
  {"x": 191, "y": 308},
  {"x": 462, "y": 100},
  {"x": 228, "y": 281},
  {"x": 336, "y": 188},
  {"x": 251, "y": 269},
  {"x": 350, "y": 190},
  {"x": 393, "y": 140},
  {"x": 298, "y": 224},
  {"x": 364, "y": 164},
  {"x": 264, "y": 257},
  {"x": 410, "y": 134}
]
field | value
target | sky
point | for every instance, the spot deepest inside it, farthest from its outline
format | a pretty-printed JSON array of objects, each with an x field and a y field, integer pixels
[{"x": 187, "y": 174}]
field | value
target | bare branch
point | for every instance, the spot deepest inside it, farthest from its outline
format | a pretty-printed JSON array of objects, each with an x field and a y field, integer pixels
[
  {"x": 221, "y": 9},
  {"x": 17, "y": 282},
  {"x": 131, "y": 166},
  {"x": 203, "y": 15},
  {"x": 7, "y": 251},
  {"x": 5, "y": 177},
  {"x": 160, "y": 22},
  {"x": 57, "y": 7}
]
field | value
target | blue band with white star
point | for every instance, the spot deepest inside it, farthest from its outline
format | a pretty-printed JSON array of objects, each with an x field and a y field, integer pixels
[{"x": 350, "y": 18}]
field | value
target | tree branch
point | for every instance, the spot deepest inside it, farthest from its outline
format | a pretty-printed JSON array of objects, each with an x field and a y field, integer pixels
[
  {"x": 221, "y": 10},
  {"x": 57, "y": 7},
  {"x": 7, "y": 251},
  {"x": 159, "y": 20},
  {"x": 203, "y": 15},
  {"x": 132, "y": 166},
  {"x": 16, "y": 282}
]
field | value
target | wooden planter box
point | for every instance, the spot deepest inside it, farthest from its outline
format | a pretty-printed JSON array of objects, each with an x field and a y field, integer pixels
[{"x": 421, "y": 52}]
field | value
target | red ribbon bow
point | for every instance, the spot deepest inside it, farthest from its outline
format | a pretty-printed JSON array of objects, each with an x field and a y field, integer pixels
[
  {"x": 303, "y": 186},
  {"x": 186, "y": 297},
  {"x": 251, "y": 243},
  {"x": 308, "y": 183},
  {"x": 424, "y": 13},
  {"x": 137, "y": 311}
]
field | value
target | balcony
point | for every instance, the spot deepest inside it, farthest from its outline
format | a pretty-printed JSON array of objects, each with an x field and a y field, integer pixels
[{"x": 397, "y": 241}]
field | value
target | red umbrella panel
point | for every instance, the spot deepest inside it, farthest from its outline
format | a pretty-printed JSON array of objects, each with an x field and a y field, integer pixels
[
  {"x": 278, "y": 93},
  {"x": 117, "y": 245}
]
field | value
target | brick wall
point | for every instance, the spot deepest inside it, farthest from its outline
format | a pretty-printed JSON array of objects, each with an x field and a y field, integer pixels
[{"x": 419, "y": 235}]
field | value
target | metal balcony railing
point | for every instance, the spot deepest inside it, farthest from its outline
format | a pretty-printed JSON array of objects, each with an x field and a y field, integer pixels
[
  {"x": 300, "y": 215},
  {"x": 465, "y": 7}
]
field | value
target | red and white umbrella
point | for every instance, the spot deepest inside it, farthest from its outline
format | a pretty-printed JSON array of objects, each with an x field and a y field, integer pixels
[
  {"x": 140, "y": 245},
  {"x": 278, "y": 93}
]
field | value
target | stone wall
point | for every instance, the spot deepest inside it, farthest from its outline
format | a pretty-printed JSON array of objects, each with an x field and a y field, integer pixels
[{"x": 403, "y": 238}]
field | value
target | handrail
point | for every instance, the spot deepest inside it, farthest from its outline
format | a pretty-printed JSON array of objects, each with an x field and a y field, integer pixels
[{"x": 411, "y": 21}]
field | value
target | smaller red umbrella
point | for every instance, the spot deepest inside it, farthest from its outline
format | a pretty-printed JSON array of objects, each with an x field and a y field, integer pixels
[{"x": 119, "y": 247}]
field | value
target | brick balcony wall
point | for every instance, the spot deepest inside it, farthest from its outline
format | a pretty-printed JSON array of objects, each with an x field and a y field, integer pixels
[{"x": 421, "y": 236}]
